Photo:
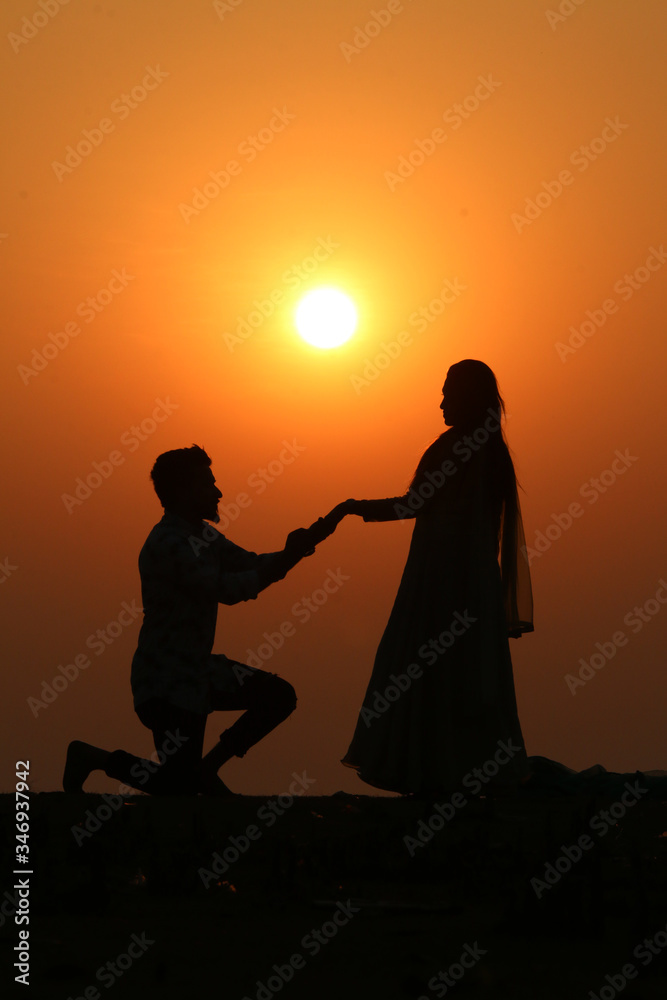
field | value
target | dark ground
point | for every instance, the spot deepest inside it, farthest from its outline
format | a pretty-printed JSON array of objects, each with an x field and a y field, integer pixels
[{"x": 408, "y": 917}]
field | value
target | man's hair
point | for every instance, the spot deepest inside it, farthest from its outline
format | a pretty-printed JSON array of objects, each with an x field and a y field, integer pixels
[{"x": 173, "y": 470}]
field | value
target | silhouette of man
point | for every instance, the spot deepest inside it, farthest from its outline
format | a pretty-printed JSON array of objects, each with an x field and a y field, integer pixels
[{"x": 187, "y": 568}]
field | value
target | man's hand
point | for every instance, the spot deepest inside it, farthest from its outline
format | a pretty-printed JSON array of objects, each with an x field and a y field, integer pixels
[
  {"x": 326, "y": 526},
  {"x": 300, "y": 543}
]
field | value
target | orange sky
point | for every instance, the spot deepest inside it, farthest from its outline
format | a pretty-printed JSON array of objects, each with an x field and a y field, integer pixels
[{"x": 515, "y": 150}]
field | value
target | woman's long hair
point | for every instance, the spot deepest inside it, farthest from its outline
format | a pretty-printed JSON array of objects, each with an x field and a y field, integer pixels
[
  {"x": 475, "y": 404},
  {"x": 474, "y": 397}
]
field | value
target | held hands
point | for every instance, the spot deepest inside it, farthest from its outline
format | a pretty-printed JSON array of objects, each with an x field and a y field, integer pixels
[
  {"x": 337, "y": 513},
  {"x": 299, "y": 543},
  {"x": 302, "y": 541},
  {"x": 326, "y": 526}
]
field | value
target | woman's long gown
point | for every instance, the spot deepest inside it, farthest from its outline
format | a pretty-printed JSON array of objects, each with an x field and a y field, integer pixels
[{"x": 449, "y": 625}]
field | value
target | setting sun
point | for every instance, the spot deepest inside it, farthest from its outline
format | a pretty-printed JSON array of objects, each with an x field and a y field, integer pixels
[{"x": 326, "y": 317}]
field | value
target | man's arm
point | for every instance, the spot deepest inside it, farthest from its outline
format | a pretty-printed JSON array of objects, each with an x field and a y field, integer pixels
[{"x": 244, "y": 574}]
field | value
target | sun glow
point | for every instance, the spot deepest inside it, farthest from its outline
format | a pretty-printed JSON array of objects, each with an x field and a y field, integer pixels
[{"x": 326, "y": 317}]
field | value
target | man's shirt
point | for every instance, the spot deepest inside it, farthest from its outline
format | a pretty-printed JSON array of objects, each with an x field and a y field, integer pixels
[{"x": 185, "y": 573}]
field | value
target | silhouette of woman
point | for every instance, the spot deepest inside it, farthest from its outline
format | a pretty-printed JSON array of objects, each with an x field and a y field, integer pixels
[{"x": 440, "y": 702}]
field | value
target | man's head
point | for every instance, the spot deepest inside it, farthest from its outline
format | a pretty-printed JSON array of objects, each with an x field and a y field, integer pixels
[{"x": 185, "y": 484}]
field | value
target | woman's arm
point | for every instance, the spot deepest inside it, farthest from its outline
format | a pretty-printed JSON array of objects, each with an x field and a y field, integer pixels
[{"x": 389, "y": 509}]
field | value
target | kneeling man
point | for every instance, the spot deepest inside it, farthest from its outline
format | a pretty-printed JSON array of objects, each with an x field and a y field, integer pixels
[{"x": 187, "y": 568}]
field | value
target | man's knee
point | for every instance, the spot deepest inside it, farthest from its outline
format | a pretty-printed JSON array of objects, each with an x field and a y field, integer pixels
[
  {"x": 283, "y": 696},
  {"x": 277, "y": 695}
]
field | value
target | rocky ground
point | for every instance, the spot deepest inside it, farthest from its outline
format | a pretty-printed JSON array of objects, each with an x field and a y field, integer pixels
[{"x": 537, "y": 896}]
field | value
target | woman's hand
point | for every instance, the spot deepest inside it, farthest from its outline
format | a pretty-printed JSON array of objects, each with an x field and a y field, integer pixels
[
  {"x": 341, "y": 510},
  {"x": 326, "y": 526},
  {"x": 302, "y": 541}
]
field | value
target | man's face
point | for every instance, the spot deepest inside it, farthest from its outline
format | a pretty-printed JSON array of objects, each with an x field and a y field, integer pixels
[{"x": 203, "y": 495}]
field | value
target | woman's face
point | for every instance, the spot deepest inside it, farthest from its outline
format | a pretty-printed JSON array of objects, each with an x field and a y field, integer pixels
[{"x": 451, "y": 401}]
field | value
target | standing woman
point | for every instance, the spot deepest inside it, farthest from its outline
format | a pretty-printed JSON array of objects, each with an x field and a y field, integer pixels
[{"x": 465, "y": 589}]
